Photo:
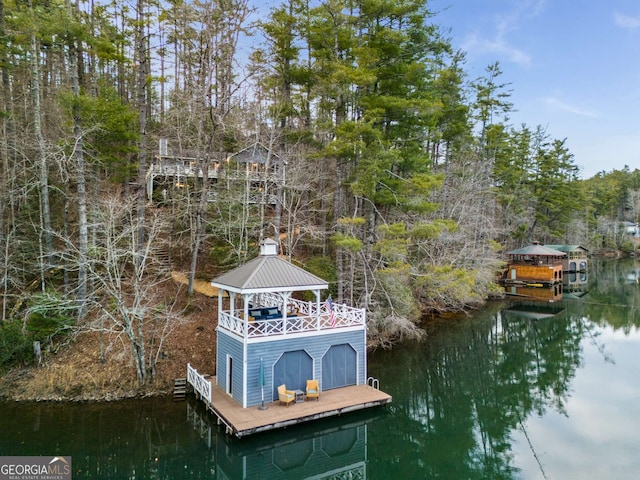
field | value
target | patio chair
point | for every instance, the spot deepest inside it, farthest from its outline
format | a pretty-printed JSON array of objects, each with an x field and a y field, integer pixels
[
  {"x": 285, "y": 396},
  {"x": 313, "y": 390}
]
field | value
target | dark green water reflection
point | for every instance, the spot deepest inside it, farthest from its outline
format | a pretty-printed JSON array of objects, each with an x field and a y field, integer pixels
[{"x": 521, "y": 390}]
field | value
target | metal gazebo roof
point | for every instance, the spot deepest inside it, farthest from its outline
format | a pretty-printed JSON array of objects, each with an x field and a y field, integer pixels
[
  {"x": 537, "y": 250},
  {"x": 268, "y": 273}
]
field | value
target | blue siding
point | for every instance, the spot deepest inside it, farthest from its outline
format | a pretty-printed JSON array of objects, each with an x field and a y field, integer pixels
[
  {"x": 230, "y": 346},
  {"x": 316, "y": 346}
]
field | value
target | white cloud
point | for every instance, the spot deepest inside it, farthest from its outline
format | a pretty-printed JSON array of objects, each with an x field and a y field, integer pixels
[
  {"x": 528, "y": 8},
  {"x": 626, "y": 21},
  {"x": 497, "y": 45},
  {"x": 557, "y": 104},
  {"x": 504, "y": 24}
]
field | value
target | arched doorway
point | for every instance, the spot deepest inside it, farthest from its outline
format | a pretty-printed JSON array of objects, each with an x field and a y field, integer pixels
[
  {"x": 339, "y": 366},
  {"x": 293, "y": 369}
]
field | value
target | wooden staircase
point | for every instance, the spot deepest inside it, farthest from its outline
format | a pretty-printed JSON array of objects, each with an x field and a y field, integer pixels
[
  {"x": 179, "y": 389},
  {"x": 163, "y": 259}
]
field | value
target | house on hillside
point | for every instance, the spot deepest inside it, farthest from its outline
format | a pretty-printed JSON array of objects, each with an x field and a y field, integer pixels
[
  {"x": 535, "y": 265},
  {"x": 631, "y": 229},
  {"x": 576, "y": 259},
  {"x": 617, "y": 228},
  {"x": 256, "y": 166},
  {"x": 268, "y": 335}
]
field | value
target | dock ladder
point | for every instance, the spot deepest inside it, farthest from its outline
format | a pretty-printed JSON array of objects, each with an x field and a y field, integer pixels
[{"x": 179, "y": 389}]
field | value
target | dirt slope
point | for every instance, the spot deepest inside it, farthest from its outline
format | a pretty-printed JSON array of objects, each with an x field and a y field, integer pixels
[{"x": 75, "y": 372}]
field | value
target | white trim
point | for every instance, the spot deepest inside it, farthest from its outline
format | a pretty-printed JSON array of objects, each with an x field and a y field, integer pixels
[
  {"x": 292, "y": 336},
  {"x": 364, "y": 356},
  {"x": 270, "y": 289},
  {"x": 244, "y": 374}
]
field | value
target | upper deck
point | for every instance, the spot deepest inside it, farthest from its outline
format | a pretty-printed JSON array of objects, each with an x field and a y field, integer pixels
[{"x": 300, "y": 317}]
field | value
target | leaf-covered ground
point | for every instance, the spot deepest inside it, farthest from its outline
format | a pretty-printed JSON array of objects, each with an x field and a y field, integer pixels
[{"x": 76, "y": 372}]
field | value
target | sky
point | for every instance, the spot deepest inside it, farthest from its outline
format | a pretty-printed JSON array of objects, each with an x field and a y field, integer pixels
[{"x": 572, "y": 65}]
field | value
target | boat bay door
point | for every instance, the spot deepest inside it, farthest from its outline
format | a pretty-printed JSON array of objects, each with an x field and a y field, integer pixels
[{"x": 339, "y": 367}]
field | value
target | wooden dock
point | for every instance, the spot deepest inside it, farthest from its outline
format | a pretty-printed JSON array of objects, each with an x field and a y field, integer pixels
[{"x": 241, "y": 422}]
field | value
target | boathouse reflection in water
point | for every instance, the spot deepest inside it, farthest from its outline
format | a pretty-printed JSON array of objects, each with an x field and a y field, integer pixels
[
  {"x": 320, "y": 450},
  {"x": 574, "y": 285}
]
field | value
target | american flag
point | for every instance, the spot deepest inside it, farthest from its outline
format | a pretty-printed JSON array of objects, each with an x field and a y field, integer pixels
[{"x": 332, "y": 316}]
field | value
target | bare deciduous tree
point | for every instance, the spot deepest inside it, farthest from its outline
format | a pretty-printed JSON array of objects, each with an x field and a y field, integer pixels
[{"x": 127, "y": 302}]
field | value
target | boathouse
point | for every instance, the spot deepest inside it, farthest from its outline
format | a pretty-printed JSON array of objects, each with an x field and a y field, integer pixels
[
  {"x": 270, "y": 333},
  {"x": 551, "y": 294},
  {"x": 535, "y": 265},
  {"x": 275, "y": 331},
  {"x": 576, "y": 257}
]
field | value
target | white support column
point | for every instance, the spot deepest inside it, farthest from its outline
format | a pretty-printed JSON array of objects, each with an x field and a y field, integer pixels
[
  {"x": 246, "y": 300},
  {"x": 364, "y": 356},
  {"x": 285, "y": 299},
  {"x": 232, "y": 304},
  {"x": 245, "y": 348},
  {"x": 220, "y": 292},
  {"x": 317, "y": 292}
]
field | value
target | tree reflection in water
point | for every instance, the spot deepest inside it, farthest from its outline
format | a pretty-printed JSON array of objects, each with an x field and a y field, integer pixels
[{"x": 470, "y": 384}]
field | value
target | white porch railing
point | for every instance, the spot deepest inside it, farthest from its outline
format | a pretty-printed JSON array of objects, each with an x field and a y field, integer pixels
[
  {"x": 200, "y": 383},
  {"x": 305, "y": 318}
]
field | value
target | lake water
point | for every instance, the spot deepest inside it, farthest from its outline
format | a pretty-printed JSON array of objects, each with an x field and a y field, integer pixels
[{"x": 520, "y": 390}]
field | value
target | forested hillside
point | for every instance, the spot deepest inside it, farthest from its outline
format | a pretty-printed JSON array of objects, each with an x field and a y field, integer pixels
[{"x": 388, "y": 171}]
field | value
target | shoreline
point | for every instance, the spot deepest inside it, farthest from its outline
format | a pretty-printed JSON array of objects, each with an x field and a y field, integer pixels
[
  {"x": 15, "y": 386},
  {"x": 77, "y": 376}
]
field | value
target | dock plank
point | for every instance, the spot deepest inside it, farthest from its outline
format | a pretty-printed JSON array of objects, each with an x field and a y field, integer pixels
[{"x": 246, "y": 421}]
